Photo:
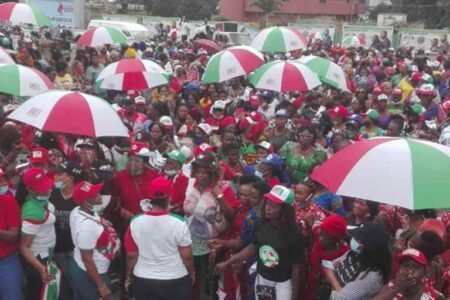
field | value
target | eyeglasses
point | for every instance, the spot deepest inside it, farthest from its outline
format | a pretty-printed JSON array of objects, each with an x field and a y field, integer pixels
[{"x": 305, "y": 136}]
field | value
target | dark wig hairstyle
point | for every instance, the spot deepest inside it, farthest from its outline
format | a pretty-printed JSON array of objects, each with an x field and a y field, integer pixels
[
  {"x": 376, "y": 259},
  {"x": 287, "y": 217}
]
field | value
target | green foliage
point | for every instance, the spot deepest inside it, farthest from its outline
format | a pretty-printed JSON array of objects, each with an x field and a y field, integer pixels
[
  {"x": 267, "y": 6},
  {"x": 191, "y": 9},
  {"x": 434, "y": 13}
]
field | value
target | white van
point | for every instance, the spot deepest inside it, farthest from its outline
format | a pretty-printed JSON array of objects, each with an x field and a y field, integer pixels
[{"x": 133, "y": 31}]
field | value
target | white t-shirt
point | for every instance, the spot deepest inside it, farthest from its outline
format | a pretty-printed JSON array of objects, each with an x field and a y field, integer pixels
[
  {"x": 44, "y": 233},
  {"x": 157, "y": 237},
  {"x": 86, "y": 231}
]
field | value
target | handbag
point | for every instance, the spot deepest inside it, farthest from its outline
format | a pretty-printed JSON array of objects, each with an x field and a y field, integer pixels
[{"x": 264, "y": 292}]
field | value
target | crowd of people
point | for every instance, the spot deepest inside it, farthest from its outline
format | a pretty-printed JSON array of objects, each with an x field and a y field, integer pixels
[{"x": 211, "y": 197}]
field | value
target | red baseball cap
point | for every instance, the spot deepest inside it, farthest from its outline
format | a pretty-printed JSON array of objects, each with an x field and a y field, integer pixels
[
  {"x": 335, "y": 226},
  {"x": 139, "y": 149},
  {"x": 339, "y": 111},
  {"x": 413, "y": 254},
  {"x": 85, "y": 190},
  {"x": 36, "y": 180},
  {"x": 416, "y": 76},
  {"x": 377, "y": 91},
  {"x": 202, "y": 149},
  {"x": 39, "y": 155},
  {"x": 160, "y": 188}
]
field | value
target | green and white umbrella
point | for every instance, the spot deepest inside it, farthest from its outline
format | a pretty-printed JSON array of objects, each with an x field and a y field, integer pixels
[
  {"x": 100, "y": 36},
  {"x": 353, "y": 42},
  {"x": 405, "y": 172},
  {"x": 279, "y": 39},
  {"x": 231, "y": 63},
  {"x": 19, "y": 80},
  {"x": 20, "y": 13},
  {"x": 329, "y": 72},
  {"x": 284, "y": 76}
]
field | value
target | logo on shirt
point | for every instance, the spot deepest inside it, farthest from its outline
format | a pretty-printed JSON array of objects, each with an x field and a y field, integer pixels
[{"x": 268, "y": 256}]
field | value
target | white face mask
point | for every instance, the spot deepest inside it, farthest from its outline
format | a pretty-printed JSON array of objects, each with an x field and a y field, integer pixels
[
  {"x": 187, "y": 152},
  {"x": 146, "y": 205},
  {"x": 99, "y": 208},
  {"x": 171, "y": 172}
]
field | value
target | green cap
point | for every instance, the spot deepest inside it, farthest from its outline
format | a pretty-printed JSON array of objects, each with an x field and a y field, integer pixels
[
  {"x": 176, "y": 156},
  {"x": 248, "y": 149},
  {"x": 280, "y": 194},
  {"x": 417, "y": 108},
  {"x": 373, "y": 114}
]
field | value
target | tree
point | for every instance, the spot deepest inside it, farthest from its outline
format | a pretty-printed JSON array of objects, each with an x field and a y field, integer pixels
[
  {"x": 267, "y": 7},
  {"x": 197, "y": 9},
  {"x": 434, "y": 13}
]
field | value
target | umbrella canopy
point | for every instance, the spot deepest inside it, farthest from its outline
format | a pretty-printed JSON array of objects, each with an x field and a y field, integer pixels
[
  {"x": 399, "y": 171},
  {"x": 279, "y": 39},
  {"x": 132, "y": 74},
  {"x": 316, "y": 36},
  {"x": 19, "y": 13},
  {"x": 100, "y": 36},
  {"x": 19, "y": 80},
  {"x": 232, "y": 62},
  {"x": 284, "y": 76},
  {"x": 329, "y": 72},
  {"x": 353, "y": 41},
  {"x": 5, "y": 58},
  {"x": 209, "y": 45},
  {"x": 72, "y": 113}
]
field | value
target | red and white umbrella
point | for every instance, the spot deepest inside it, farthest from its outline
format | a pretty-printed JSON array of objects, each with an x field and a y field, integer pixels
[
  {"x": 232, "y": 62},
  {"x": 72, "y": 113},
  {"x": 284, "y": 76},
  {"x": 19, "y": 80},
  {"x": 100, "y": 36},
  {"x": 279, "y": 39},
  {"x": 208, "y": 45},
  {"x": 20, "y": 13},
  {"x": 132, "y": 74},
  {"x": 5, "y": 58}
]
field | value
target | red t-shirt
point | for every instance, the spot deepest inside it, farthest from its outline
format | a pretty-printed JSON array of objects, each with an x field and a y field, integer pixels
[
  {"x": 179, "y": 191},
  {"x": 132, "y": 189},
  {"x": 9, "y": 218}
]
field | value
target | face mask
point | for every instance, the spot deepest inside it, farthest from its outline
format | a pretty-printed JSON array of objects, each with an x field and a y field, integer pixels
[
  {"x": 187, "y": 152},
  {"x": 355, "y": 246},
  {"x": 42, "y": 198},
  {"x": 59, "y": 184},
  {"x": 171, "y": 172},
  {"x": 198, "y": 140},
  {"x": 99, "y": 208},
  {"x": 4, "y": 190},
  {"x": 259, "y": 174}
]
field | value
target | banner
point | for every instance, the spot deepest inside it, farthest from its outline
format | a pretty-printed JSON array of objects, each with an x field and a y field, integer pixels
[
  {"x": 366, "y": 33},
  {"x": 421, "y": 38},
  {"x": 60, "y": 12},
  {"x": 309, "y": 29}
]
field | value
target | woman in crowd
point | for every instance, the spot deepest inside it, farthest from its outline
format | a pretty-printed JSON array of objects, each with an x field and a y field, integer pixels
[
  {"x": 300, "y": 156},
  {"x": 362, "y": 271},
  {"x": 278, "y": 246},
  {"x": 96, "y": 244}
]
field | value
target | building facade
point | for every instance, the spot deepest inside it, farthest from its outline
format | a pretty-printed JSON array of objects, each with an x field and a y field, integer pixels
[{"x": 291, "y": 10}]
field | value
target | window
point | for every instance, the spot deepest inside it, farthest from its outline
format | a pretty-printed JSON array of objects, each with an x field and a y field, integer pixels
[{"x": 323, "y": 1}]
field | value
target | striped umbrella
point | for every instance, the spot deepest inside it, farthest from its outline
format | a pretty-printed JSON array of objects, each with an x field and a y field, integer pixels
[
  {"x": 329, "y": 72},
  {"x": 19, "y": 80},
  {"x": 353, "y": 42},
  {"x": 19, "y": 13},
  {"x": 132, "y": 74},
  {"x": 5, "y": 58},
  {"x": 398, "y": 171},
  {"x": 100, "y": 36},
  {"x": 279, "y": 39},
  {"x": 284, "y": 76},
  {"x": 232, "y": 62},
  {"x": 72, "y": 113},
  {"x": 316, "y": 36}
]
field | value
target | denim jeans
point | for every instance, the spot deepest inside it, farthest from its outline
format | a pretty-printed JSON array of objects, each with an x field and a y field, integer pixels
[
  {"x": 84, "y": 286},
  {"x": 11, "y": 277}
]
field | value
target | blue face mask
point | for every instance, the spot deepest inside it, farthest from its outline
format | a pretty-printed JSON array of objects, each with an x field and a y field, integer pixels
[
  {"x": 4, "y": 190},
  {"x": 355, "y": 246},
  {"x": 259, "y": 174},
  {"x": 59, "y": 184},
  {"x": 198, "y": 140},
  {"x": 42, "y": 198}
]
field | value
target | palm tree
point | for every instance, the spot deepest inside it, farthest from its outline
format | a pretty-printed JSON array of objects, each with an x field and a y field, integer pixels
[{"x": 267, "y": 7}]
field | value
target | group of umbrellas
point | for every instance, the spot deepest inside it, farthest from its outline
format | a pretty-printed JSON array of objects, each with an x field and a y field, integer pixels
[{"x": 399, "y": 171}]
